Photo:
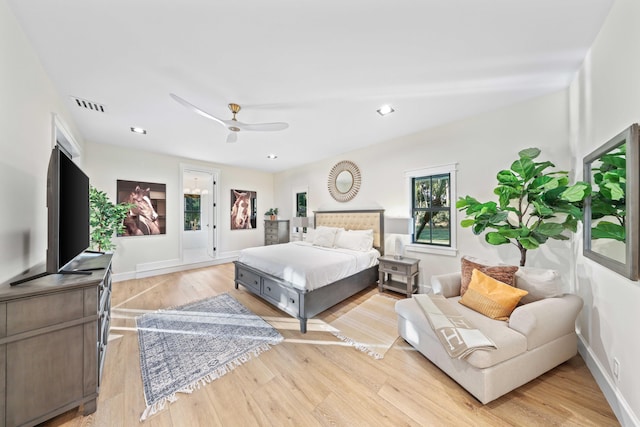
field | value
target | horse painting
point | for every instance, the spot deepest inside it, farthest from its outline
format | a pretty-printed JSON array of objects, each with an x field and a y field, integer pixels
[
  {"x": 142, "y": 218},
  {"x": 241, "y": 210}
]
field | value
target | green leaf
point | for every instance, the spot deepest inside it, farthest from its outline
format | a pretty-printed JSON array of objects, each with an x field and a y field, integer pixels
[
  {"x": 608, "y": 230},
  {"x": 529, "y": 153},
  {"x": 571, "y": 224},
  {"x": 524, "y": 167},
  {"x": 529, "y": 242},
  {"x": 467, "y": 222},
  {"x": 549, "y": 229},
  {"x": 616, "y": 191},
  {"x": 576, "y": 192},
  {"x": 495, "y": 238}
]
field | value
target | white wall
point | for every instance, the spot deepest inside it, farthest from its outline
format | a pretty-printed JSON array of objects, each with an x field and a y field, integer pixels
[
  {"x": 27, "y": 101},
  {"x": 105, "y": 164},
  {"x": 604, "y": 100},
  {"x": 481, "y": 146}
]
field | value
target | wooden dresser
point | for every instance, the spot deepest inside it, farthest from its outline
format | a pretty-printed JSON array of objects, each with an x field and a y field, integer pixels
[
  {"x": 53, "y": 338},
  {"x": 276, "y": 231}
]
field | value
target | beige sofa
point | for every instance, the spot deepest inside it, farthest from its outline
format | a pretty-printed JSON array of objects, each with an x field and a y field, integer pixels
[{"x": 537, "y": 337}]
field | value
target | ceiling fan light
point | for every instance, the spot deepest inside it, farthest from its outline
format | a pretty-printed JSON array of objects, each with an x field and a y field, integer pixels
[
  {"x": 272, "y": 156},
  {"x": 186, "y": 190},
  {"x": 385, "y": 109}
]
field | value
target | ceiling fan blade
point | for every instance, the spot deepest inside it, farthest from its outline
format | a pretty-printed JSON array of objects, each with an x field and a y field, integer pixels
[
  {"x": 263, "y": 126},
  {"x": 232, "y": 137},
  {"x": 196, "y": 109}
]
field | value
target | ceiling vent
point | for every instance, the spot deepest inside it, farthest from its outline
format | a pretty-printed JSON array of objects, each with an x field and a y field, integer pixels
[{"x": 89, "y": 105}]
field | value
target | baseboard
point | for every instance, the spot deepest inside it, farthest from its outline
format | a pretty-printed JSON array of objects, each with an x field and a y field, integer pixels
[
  {"x": 170, "y": 266},
  {"x": 618, "y": 404}
]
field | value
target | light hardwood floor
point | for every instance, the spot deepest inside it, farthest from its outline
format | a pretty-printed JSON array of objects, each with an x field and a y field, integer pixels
[{"x": 313, "y": 379}]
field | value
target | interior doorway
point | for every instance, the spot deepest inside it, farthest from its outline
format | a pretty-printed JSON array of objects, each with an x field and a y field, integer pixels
[{"x": 199, "y": 214}]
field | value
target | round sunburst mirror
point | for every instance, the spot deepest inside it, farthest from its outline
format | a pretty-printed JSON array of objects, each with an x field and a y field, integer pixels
[{"x": 344, "y": 181}]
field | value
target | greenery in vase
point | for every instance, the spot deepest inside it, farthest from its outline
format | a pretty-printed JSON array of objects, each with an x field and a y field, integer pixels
[
  {"x": 534, "y": 205},
  {"x": 610, "y": 199},
  {"x": 272, "y": 211},
  {"x": 105, "y": 218}
]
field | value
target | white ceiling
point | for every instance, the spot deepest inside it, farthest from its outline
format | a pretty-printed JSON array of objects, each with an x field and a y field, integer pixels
[{"x": 323, "y": 66}]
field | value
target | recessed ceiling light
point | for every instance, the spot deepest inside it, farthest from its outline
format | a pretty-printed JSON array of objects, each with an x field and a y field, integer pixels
[
  {"x": 385, "y": 109},
  {"x": 272, "y": 156},
  {"x": 139, "y": 130}
]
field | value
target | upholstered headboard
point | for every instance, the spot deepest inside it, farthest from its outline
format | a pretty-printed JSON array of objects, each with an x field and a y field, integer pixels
[{"x": 355, "y": 220}]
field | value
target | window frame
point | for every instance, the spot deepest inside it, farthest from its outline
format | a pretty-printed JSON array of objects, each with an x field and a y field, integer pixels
[{"x": 435, "y": 171}]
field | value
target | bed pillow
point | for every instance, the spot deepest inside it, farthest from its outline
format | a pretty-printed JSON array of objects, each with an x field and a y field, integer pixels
[
  {"x": 491, "y": 297},
  {"x": 503, "y": 273},
  {"x": 325, "y": 236},
  {"x": 355, "y": 240},
  {"x": 541, "y": 283},
  {"x": 309, "y": 235}
]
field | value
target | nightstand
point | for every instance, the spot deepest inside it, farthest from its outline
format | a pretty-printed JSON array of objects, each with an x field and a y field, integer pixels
[{"x": 405, "y": 267}]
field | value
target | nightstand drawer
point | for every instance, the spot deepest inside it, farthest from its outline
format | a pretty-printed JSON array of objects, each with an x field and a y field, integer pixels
[{"x": 393, "y": 268}]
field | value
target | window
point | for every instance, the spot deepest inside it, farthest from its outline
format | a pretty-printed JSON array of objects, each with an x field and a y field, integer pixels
[
  {"x": 191, "y": 212},
  {"x": 432, "y": 210},
  {"x": 434, "y": 221}
]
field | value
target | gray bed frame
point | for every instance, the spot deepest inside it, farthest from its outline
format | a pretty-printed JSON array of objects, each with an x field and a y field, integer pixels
[{"x": 304, "y": 305}]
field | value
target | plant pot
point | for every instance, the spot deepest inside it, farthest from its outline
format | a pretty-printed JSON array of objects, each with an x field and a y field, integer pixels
[{"x": 273, "y": 217}]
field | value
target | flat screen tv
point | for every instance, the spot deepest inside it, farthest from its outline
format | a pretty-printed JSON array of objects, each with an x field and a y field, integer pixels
[
  {"x": 67, "y": 217},
  {"x": 68, "y": 211}
]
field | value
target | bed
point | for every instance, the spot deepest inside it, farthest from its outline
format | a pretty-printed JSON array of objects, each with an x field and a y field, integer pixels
[{"x": 285, "y": 286}]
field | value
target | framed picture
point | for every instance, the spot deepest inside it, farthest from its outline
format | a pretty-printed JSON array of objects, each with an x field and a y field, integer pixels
[
  {"x": 148, "y": 214},
  {"x": 244, "y": 206}
]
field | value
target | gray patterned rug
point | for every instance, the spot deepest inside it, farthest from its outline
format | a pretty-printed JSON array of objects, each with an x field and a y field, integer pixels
[{"x": 186, "y": 347}]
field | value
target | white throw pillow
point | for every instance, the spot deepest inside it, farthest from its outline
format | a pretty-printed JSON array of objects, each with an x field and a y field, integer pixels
[
  {"x": 541, "y": 283},
  {"x": 355, "y": 240},
  {"x": 325, "y": 236}
]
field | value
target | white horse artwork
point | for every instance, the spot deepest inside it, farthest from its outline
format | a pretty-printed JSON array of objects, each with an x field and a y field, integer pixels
[{"x": 241, "y": 210}]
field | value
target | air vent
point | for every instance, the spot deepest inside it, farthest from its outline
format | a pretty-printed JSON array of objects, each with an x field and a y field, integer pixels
[{"x": 89, "y": 105}]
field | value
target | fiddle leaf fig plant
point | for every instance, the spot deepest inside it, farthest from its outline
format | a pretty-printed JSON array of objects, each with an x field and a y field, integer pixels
[
  {"x": 533, "y": 205},
  {"x": 105, "y": 218},
  {"x": 610, "y": 199}
]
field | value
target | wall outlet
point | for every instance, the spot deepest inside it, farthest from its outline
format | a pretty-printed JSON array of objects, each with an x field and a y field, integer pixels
[{"x": 616, "y": 369}]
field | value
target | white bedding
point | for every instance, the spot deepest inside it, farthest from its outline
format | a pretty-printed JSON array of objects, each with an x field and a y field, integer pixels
[{"x": 306, "y": 266}]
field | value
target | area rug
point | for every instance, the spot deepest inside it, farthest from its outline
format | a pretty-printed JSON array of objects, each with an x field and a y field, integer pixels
[
  {"x": 371, "y": 327},
  {"x": 186, "y": 347}
]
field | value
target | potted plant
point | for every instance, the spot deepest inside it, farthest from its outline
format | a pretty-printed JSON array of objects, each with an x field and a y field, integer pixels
[
  {"x": 105, "y": 218},
  {"x": 533, "y": 205},
  {"x": 272, "y": 213}
]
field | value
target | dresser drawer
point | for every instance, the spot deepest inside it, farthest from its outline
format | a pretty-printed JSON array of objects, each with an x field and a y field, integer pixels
[
  {"x": 249, "y": 279},
  {"x": 38, "y": 312},
  {"x": 283, "y": 297}
]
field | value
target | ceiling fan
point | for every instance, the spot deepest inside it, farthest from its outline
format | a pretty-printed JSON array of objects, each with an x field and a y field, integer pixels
[{"x": 233, "y": 125}]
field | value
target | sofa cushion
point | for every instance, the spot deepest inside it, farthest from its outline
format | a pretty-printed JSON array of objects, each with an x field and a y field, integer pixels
[
  {"x": 491, "y": 297},
  {"x": 509, "y": 342},
  {"x": 503, "y": 273},
  {"x": 541, "y": 283}
]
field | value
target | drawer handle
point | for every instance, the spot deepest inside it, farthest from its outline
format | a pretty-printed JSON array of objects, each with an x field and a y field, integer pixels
[
  {"x": 394, "y": 268},
  {"x": 255, "y": 282},
  {"x": 241, "y": 275},
  {"x": 292, "y": 300},
  {"x": 268, "y": 289}
]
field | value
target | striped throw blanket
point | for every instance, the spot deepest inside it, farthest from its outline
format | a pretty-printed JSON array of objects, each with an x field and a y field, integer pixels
[{"x": 457, "y": 335}]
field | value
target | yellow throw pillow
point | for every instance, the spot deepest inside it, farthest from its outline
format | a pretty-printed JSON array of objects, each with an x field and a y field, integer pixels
[{"x": 491, "y": 297}]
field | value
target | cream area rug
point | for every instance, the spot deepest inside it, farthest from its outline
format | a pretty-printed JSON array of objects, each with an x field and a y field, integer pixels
[{"x": 371, "y": 327}]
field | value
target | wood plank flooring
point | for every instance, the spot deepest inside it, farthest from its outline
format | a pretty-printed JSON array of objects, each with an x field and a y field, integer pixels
[{"x": 314, "y": 379}]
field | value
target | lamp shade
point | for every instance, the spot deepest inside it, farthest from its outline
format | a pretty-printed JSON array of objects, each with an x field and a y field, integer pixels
[
  {"x": 398, "y": 225},
  {"x": 300, "y": 221}
]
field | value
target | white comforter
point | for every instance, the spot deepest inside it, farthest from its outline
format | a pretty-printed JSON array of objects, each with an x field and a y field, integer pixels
[{"x": 308, "y": 267}]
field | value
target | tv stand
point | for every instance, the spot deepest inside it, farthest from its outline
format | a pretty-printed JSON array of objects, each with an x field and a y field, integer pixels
[{"x": 53, "y": 341}]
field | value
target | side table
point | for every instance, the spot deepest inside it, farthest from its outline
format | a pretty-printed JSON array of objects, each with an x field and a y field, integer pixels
[{"x": 403, "y": 267}]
